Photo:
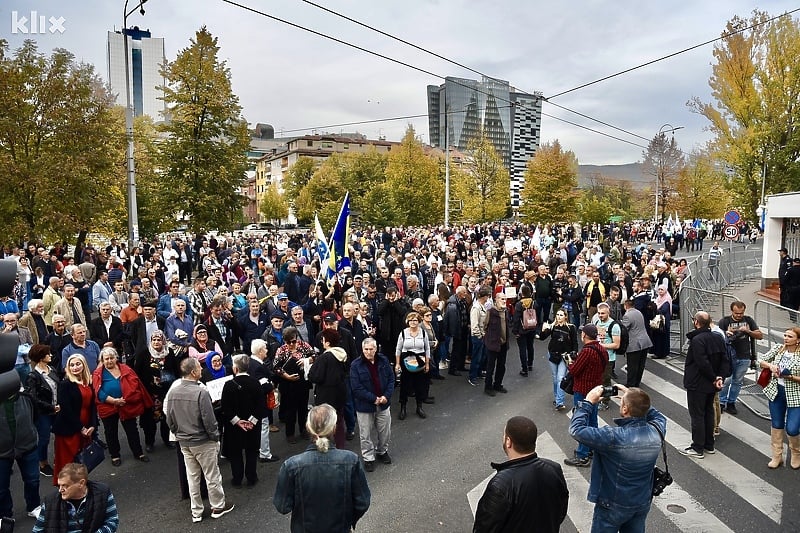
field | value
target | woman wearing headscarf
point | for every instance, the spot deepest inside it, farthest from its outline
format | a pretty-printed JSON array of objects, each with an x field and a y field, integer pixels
[
  {"x": 42, "y": 386},
  {"x": 75, "y": 423},
  {"x": 158, "y": 370},
  {"x": 659, "y": 326},
  {"x": 202, "y": 347},
  {"x": 329, "y": 375},
  {"x": 121, "y": 398}
]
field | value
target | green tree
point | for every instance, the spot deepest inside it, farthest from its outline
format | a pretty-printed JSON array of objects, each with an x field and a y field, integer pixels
[
  {"x": 57, "y": 162},
  {"x": 551, "y": 180},
  {"x": 297, "y": 177},
  {"x": 663, "y": 160},
  {"x": 414, "y": 183},
  {"x": 754, "y": 115},
  {"x": 273, "y": 204},
  {"x": 701, "y": 190},
  {"x": 484, "y": 184},
  {"x": 594, "y": 209},
  {"x": 204, "y": 157},
  {"x": 357, "y": 172}
]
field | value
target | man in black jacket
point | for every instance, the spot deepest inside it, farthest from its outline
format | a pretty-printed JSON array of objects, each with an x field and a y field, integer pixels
[
  {"x": 243, "y": 408},
  {"x": 702, "y": 378},
  {"x": 526, "y": 490}
]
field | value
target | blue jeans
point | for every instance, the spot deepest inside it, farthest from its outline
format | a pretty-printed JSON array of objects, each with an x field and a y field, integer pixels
[
  {"x": 732, "y": 386},
  {"x": 613, "y": 520},
  {"x": 29, "y": 470},
  {"x": 583, "y": 450},
  {"x": 558, "y": 371},
  {"x": 783, "y": 416},
  {"x": 478, "y": 357},
  {"x": 43, "y": 426}
]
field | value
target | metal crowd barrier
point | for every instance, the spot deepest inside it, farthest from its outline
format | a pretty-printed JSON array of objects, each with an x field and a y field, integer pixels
[{"x": 702, "y": 290}]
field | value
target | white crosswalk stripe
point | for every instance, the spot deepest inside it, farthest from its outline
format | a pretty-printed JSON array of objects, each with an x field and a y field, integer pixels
[{"x": 693, "y": 516}]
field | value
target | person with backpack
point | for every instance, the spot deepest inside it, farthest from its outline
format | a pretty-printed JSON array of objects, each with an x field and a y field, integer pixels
[
  {"x": 563, "y": 340},
  {"x": 610, "y": 335},
  {"x": 523, "y": 326}
]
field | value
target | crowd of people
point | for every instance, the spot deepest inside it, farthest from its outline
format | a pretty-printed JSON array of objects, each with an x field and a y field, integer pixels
[{"x": 120, "y": 337}]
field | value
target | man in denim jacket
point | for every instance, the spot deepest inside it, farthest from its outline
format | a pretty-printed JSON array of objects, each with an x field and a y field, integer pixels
[{"x": 622, "y": 496}]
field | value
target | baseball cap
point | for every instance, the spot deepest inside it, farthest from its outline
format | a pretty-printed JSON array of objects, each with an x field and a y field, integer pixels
[
  {"x": 277, "y": 314},
  {"x": 784, "y": 250},
  {"x": 283, "y": 296},
  {"x": 590, "y": 330},
  {"x": 330, "y": 318}
]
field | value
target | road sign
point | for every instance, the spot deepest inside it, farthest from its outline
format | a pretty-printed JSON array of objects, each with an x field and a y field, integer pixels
[
  {"x": 733, "y": 217},
  {"x": 731, "y": 232}
]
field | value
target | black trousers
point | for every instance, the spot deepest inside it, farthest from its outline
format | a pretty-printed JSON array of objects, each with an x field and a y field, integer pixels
[
  {"x": 111, "y": 427},
  {"x": 636, "y": 362},
  {"x": 701, "y": 412},
  {"x": 496, "y": 367},
  {"x": 294, "y": 400},
  {"x": 243, "y": 468},
  {"x": 416, "y": 381},
  {"x": 458, "y": 353},
  {"x": 149, "y": 423}
]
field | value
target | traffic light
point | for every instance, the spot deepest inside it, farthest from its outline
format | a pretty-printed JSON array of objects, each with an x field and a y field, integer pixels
[{"x": 9, "y": 342}]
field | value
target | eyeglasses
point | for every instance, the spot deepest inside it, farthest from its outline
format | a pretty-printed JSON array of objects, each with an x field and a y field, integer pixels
[
  {"x": 293, "y": 341},
  {"x": 413, "y": 320}
]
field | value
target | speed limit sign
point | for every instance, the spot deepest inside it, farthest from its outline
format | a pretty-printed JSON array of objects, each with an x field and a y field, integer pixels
[{"x": 731, "y": 232}]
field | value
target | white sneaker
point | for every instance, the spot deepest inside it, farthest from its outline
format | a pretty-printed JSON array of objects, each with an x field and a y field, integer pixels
[
  {"x": 443, "y": 365},
  {"x": 35, "y": 512},
  {"x": 196, "y": 519}
]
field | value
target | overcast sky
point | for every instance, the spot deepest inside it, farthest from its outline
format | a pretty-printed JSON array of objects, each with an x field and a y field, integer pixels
[{"x": 293, "y": 79}]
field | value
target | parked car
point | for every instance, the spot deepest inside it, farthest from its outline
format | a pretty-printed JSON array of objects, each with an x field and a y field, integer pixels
[{"x": 252, "y": 227}]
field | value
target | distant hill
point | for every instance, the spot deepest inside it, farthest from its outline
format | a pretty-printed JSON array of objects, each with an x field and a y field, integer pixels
[{"x": 631, "y": 172}]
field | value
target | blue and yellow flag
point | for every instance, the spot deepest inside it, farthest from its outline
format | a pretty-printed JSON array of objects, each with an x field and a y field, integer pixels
[{"x": 339, "y": 240}]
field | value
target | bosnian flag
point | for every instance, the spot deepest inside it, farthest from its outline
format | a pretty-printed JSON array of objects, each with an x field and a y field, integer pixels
[{"x": 340, "y": 239}]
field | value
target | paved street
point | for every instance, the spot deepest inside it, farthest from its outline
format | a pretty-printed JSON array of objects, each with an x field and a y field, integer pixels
[{"x": 437, "y": 461}]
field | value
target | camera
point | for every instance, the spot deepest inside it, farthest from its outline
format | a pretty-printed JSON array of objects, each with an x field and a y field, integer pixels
[
  {"x": 610, "y": 391},
  {"x": 661, "y": 480}
]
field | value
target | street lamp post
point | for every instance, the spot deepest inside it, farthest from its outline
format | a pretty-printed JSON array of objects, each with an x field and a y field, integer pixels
[
  {"x": 133, "y": 209},
  {"x": 660, "y": 174}
]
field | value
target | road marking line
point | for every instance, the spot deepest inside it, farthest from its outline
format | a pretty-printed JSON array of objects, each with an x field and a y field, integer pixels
[
  {"x": 742, "y": 431},
  {"x": 579, "y": 510}
]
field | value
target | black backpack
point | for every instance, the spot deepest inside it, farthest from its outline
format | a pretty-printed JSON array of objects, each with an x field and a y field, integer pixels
[{"x": 624, "y": 338}]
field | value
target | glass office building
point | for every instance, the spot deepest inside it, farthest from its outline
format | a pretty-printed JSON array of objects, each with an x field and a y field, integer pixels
[
  {"x": 460, "y": 108},
  {"x": 145, "y": 57}
]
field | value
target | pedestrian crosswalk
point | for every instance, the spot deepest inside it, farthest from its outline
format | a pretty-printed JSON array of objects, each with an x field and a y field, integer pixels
[{"x": 737, "y": 469}]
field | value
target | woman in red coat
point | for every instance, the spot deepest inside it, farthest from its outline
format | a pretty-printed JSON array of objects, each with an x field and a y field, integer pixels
[
  {"x": 121, "y": 397},
  {"x": 75, "y": 424}
]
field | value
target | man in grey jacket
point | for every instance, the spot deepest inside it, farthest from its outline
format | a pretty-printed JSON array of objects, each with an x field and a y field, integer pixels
[
  {"x": 190, "y": 416},
  {"x": 638, "y": 344}
]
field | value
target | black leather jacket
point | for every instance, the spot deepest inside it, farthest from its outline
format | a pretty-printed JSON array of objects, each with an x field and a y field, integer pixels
[{"x": 527, "y": 495}]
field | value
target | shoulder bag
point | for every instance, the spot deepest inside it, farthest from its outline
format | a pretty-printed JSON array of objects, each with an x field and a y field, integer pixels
[{"x": 661, "y": 478}]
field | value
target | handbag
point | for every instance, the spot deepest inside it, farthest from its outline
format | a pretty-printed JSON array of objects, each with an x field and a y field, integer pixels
[
  {"x": 657, "y": 322},
  {"x": 567, "y": 383},
  {"x": 764, "y": 377},
  {"x": 661, "y": 478},
  {"x": 273, "y": 400},
  {"x": 91, "y": 455}
]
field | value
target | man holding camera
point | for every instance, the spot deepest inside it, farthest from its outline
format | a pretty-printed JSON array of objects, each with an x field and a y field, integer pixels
[
  {"x": 621, "y": 485},
  {"x": 587, "y": 371}
]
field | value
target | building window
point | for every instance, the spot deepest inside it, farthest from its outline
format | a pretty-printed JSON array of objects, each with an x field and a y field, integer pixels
[
  {"x": 309, "y": 143},
  {"x": 345, "y": 146},
  {"x": 327, "y": 144}
]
